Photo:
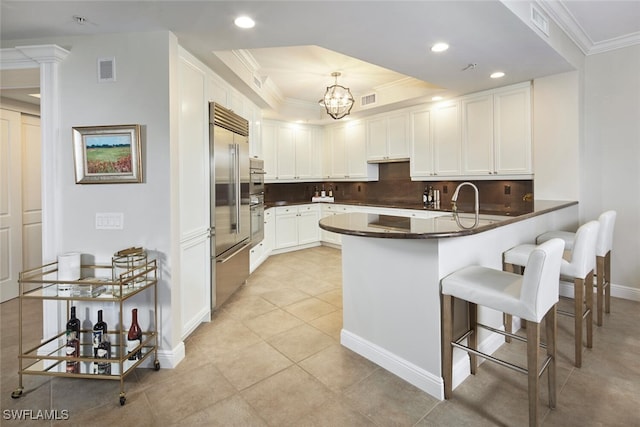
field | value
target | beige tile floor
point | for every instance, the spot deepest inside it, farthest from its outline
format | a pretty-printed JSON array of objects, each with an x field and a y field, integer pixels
[{"x": 272, "y": 357}]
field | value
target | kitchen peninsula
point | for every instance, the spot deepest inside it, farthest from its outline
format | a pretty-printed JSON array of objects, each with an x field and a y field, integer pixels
[{"x": 392, "y": 267}]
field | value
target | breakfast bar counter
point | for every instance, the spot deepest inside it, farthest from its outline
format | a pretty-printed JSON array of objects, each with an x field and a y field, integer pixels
[{"x": 392, "y": 267}]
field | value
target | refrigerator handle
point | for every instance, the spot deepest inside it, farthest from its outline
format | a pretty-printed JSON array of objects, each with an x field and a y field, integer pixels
[{"x": 238, "y": 187}]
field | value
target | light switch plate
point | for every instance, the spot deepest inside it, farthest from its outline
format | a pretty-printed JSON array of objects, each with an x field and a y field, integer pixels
[{"x": 109, "y": 221}]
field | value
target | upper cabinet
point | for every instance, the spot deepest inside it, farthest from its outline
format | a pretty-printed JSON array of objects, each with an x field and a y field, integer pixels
[
  {"x": 436, "y": 141},
  {"x": 388, "y": 137},
  {"x": 512, "y": 130},
  {"x": 496, "y": 130},
  {"x": 346, "y": 153},
  {"x": 480, "y": 136},
  {"x": 291, "y": 152}
]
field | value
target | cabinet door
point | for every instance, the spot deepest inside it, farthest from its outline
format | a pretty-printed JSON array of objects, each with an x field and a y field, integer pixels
[
  {"x": 421, "y": 163},
  {"x": 286, "y": 228},
  {"x": 356, "y": 150},
  {"x": 269, "y": 231},
  {"x": 512, "y": 111},
  {"x": 328, "y": 236},
  {"x": 337, "y": 148},
  {"x": 303, "y": 154},
  {"x": 255, "y": 133},
  {"x": 398, "y": 136},
  {"x": 286, "y": 153},
  {"x": 477, "y": 136},
  {"x": 377, "y": 139},
  {"x": 447, "y": 139},
  {"x": 269, "y": 151},
  {"x": 308, "y": 229}
]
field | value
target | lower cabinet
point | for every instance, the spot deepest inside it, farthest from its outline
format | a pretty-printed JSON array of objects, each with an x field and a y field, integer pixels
[
  {"x": 296, "y": 225},
  {"x": 260, "y": 252}
]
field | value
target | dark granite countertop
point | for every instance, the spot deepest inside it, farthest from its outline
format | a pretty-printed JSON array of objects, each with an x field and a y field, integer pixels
[
  {"x": 445, "y": 225},
  {"x": 485, "y": 208}
]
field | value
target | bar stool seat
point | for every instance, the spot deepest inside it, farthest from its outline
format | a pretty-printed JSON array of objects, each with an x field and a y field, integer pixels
[
  {"x": 604, "y": 246},
  {"x": 579, "y": 269},
  {"x": 532, "y": 296}
]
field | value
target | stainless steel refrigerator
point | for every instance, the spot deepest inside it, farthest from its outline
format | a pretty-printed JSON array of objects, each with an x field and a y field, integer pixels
[{"x": 230, "y": 214}]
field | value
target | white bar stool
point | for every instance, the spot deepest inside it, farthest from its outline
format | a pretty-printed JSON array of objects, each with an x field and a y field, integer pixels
[
  {"x": 579, "y": 269},
  {"x": 532, "y": 296},
  {"x": 604, "y": 246}
]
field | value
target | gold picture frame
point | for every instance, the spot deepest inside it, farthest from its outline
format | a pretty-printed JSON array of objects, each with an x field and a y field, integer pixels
[{"x": 107, "y": 154}]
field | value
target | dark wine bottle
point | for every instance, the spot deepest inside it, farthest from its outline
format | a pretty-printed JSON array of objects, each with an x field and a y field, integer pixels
[
  {"x": 99, "y": 335},
  {"x": 104, "y": 352},
  {"x": 134, "y": 337},
  {"x": 72, "y": 348}
]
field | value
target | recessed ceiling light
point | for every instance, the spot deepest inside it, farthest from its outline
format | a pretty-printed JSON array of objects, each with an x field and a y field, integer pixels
[
  {"x": 439, "y": 47},
  {"x": 244, "y": 22},
  {"x": 497, "y": 75},
  {"x": 436, "y": 98}
]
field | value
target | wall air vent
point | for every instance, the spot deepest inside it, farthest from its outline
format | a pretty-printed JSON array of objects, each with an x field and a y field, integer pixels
[
  {"x": 368, "y": 100},
  {"x": 257, "y": 82},
  {"x": 540, "y": 20},
  {"x": 106, "y": 70}
]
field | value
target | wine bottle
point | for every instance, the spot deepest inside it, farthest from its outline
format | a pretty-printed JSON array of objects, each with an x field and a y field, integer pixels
[
  {"x": 134, "y": 337},
  {"x": 104, "y": 352},
  {"x": 99, "y": 335},
  {"x": 425, "y": 197},
  {"x": 72, "y": 348}
]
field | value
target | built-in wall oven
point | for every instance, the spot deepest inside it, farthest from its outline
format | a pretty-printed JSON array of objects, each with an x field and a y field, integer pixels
[{"x": 256, "y": 199}]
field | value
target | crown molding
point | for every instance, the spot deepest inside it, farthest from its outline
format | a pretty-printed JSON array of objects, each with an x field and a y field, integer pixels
[{"x": 567, "y": 23}]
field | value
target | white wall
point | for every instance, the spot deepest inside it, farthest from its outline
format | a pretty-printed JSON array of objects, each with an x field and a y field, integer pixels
[
  {"x": 611, "y": 151},
  {"x": 556, "y": 137},
  {"x": 141, "y": 95}
]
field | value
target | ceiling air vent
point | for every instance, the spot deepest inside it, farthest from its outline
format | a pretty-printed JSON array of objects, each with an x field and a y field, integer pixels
[{"x": 368, "y": 100}]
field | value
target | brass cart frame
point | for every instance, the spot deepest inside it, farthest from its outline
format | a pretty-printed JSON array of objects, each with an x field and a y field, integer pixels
[{"x": 49, "y": 358}]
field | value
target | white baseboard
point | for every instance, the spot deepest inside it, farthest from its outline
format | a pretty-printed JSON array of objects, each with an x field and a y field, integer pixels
[
  {"x": 404, "y": 369},
  {"x": 168, "y": 359},
  {"x": 617, "y": 291},
  {"x": 203, "y": 317}
]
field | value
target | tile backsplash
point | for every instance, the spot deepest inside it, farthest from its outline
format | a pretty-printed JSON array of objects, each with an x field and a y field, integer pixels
[{"x": 395, "y": 187}]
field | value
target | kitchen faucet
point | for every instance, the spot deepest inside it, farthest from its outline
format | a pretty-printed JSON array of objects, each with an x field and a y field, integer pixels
[{"x": 454, "y": 198}]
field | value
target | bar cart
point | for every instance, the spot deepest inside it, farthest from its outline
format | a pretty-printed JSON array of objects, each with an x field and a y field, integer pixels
[{"x": 98, "y": 284}]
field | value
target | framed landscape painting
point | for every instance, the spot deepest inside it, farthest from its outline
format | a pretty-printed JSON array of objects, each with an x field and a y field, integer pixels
[{"x": 107, "y": 154}]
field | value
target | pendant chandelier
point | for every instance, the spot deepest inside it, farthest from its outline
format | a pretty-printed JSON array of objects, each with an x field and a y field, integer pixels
[{"x": 337, "y": 100}]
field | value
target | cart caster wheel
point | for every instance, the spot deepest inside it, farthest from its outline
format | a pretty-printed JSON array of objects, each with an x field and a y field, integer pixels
[
  {"x": 156, "y": 365},
  {"x": 122, "y": 400},
  {"x": 16, "y": 393}
]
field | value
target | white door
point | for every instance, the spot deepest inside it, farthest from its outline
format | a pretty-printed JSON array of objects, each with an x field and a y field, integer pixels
[
  {"x": 10, "y": 204},
  {"x": 31, "y": 194}
]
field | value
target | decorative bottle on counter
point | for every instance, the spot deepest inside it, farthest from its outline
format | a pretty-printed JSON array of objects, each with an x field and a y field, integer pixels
[
  {"x": 72, "y": 348},
  {"x": 100, "y": 340},
  {"x": 134, "y": 337},
  {"x": 425, "y": 197},
  {"x": 430, "y": 195},
  {"x": 331, "y": 191}
]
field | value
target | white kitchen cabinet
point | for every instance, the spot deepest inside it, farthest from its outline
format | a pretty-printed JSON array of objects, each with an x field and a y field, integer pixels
[
  {"x": 421, "y": 162},
  {"x": 346, "y": 153},
  {"x": 387, "y": 137},
  {"x": 496, "y": 130},
  {"x": 296, "y": 225},
  {"x": 269, "y": 230},
  {"x": 477, "y": 135},
  {"x": 436, "y": 142},
  {"x": 308, "y": 229},
  {"x": 255, "y": 131},
  {"x": 447, "y": 139},
  {"x": 291, "y": 152},
  {"x": 286, "y": 154},
  {"x": 260, "y": 252},
  {"x": 512, "y": 130},
  {"x": 269, "y": 151}
]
